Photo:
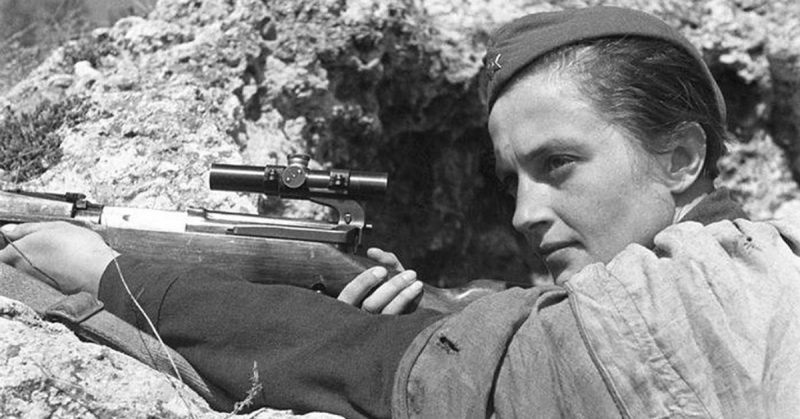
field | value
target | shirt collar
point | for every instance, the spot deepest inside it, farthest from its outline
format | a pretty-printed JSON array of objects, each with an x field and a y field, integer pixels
[{"x": 717, "y": 206}]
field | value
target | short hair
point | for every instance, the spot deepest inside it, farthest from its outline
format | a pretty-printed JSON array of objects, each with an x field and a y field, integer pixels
[{"x": 645, "y": 86}]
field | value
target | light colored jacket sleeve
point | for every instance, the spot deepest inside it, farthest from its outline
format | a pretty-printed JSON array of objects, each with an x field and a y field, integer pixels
[
  {"x": 450, "y": 368},
  {"x": 707, "y": 325}
]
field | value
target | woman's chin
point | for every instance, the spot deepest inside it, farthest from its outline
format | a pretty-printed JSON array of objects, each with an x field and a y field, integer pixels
[
  {"x": 567, "y": 265},
  {"x": 560, "y": 277}
]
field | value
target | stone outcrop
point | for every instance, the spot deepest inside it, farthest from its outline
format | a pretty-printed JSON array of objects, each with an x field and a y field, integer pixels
[{"x": 390, "y": 86}]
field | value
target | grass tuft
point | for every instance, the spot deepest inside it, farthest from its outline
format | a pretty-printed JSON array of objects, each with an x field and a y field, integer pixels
[{"x": 30, "y": 142}]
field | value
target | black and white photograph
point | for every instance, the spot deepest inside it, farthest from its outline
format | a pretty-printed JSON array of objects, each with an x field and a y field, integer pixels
[{"x": 270, "y": 209}]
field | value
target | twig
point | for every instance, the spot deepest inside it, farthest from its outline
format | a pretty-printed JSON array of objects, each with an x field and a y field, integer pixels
[
  {"x": 156, "y": 334},
  {"x": 255, "y": 388}
]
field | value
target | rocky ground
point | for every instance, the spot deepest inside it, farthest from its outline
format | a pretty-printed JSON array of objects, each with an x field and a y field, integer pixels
[{"x": 389, "y": 86}]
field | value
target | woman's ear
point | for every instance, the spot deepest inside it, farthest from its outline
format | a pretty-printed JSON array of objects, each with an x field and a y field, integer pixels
[{"x": 683, "y": 163}]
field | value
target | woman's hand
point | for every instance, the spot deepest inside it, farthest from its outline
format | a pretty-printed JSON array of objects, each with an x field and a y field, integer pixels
[
  {"x": 73, "y": 257},
  {"x": 368, "y": 290}
]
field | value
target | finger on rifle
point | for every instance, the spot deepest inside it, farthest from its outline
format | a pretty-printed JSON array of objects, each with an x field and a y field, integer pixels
[
  {"x": 385, "y": 258},
  {"x": 404, "y": 300},
  {"x": 18, "y": 231},
  {"x": 388, "y": 291},
  {"x": 357, "y": 289}
]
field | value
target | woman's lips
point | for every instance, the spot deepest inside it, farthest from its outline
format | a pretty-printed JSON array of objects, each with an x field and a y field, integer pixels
[
  {"x": 558, "y": 256},
  {"x": 546, "y": 250}
]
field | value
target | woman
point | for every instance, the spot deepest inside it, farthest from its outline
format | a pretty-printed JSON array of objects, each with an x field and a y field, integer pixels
[
  {"x": 606, "y": 126},
  {"x": 604, "y": 142}
]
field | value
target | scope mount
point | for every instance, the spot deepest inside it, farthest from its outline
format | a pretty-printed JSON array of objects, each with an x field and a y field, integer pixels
[
  {"x": 336, "y": 189},
  {"x": 347, "y": 231}
]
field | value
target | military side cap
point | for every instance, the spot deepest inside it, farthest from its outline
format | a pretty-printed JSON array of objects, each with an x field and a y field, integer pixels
[{"x": 521, "y": 41}]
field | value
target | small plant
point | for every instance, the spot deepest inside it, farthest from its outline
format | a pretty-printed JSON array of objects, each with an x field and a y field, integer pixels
[
  {"x": 29, "y": 141},
  {"x": 88, "y": 48},
  {"x": 252, "y": 393}
]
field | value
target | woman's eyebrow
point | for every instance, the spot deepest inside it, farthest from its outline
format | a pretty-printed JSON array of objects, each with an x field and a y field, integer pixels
[
  {"x": 549, "y": 146},
  {"x": 503, "y": 165}
]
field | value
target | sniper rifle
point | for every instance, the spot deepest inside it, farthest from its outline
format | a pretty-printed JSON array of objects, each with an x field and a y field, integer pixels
[{"x": 316, "y": 255}]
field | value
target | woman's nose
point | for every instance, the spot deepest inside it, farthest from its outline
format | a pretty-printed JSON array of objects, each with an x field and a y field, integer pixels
[{"x": 533, "y": 213}]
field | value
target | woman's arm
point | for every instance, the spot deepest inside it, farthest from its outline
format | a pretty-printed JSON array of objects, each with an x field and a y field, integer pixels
[{"x": 67, "y": 257}]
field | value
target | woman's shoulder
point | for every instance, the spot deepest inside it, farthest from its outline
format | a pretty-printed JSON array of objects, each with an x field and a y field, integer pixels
[{"x": 708, "y": 300}]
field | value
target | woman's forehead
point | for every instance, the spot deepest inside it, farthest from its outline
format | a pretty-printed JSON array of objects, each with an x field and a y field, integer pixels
[
  {"x": 539, "y": 115},
  {"x": 534, "y": 99}
]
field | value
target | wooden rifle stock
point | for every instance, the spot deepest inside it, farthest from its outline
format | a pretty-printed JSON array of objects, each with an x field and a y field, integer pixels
[{"x": 316, "y": 266}]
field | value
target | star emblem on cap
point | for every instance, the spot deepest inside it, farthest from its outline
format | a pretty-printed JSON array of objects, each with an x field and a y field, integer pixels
[{"x": 493, "y": 65}]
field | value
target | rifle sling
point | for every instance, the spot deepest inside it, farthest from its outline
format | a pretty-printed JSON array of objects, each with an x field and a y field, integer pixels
[{"x": 85, "y": 316}]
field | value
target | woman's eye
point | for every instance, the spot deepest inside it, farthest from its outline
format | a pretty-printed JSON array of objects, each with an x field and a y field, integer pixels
[{"x": 554, "y": 163}]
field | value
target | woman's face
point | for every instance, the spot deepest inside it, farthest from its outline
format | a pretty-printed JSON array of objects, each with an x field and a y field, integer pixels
[{"x": 584, "y": 188}]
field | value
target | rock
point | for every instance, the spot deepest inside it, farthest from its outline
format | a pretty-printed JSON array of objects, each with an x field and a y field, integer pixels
[
  {"x": 788, "y": 209},
  {"x": 62, "y": 81},
  {"x": 758, "y": 174},
  {"x": 47, "y": 370},
  {"x": 84, "y": 70},
  {"x": 784, "y": 59}
]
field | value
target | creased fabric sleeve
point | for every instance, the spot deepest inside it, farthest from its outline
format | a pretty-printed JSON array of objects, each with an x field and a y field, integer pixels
[
  {"x": 313, "y": 352},
  {"x": 450, "y": 368},
  {"x": 707, "y": 325}
]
